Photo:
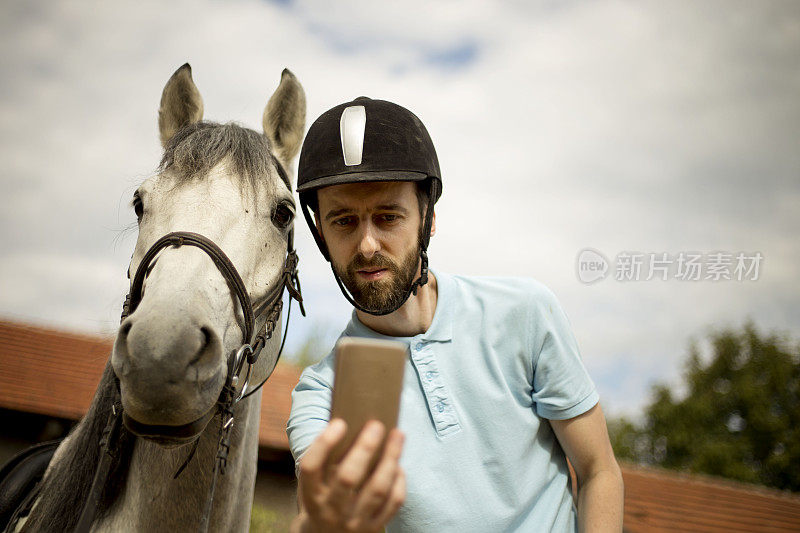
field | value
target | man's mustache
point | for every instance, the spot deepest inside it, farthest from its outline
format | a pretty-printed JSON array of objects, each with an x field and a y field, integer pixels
[{"x": 360, "y": 262}]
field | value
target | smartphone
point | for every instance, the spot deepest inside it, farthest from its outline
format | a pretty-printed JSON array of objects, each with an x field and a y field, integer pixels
[{"x": 367, "y": 383}]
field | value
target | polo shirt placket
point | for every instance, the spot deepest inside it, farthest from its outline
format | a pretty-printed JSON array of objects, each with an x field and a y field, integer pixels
[{"x": 440, "y": 405}]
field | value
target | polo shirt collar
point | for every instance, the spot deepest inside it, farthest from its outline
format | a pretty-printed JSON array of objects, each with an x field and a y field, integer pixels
[{"x": 441, "y": 328}]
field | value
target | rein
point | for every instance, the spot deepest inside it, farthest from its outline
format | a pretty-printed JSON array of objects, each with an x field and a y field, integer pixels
[{"x": 248, "y": 353}]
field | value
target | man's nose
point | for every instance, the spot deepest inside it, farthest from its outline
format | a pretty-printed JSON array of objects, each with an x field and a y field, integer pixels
[{"x": 368, "y": 245}]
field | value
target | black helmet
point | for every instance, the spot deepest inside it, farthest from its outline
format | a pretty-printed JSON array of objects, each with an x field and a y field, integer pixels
[{"x": 368, "y": 140}]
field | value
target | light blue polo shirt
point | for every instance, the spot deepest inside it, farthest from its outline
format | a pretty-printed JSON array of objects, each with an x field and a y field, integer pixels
[{"x": 498, "y": 360}]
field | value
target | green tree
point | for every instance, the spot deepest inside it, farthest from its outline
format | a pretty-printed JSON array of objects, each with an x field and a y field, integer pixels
[{"x": 740, "y": 417}]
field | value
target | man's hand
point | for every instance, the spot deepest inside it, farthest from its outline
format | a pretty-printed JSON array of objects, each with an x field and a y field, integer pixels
[{"x": 347, "y": 497}]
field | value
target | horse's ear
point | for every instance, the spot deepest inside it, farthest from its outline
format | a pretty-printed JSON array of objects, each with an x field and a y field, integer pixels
[
  {"x": 181, "y": 104},
  {"x": 285, "y": 117}
]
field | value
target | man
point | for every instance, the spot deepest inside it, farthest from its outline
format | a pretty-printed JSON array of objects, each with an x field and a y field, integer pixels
[{"x": 495, "y": 394}]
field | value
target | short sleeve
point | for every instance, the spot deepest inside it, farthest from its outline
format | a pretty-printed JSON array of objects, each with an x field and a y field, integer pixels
[
  {"x": 311, "y": 401},
  {"x": 561, "y": 385}
]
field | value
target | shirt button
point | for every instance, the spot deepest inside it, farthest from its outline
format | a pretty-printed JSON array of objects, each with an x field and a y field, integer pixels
[
  {"x": 440, "y": 407},
  {"x": 418, "y": 346},
  {"x": 429, "y": 375}
]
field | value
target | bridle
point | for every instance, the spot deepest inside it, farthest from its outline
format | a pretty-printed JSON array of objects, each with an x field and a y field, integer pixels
[
  {"x": 248, "y": 352},
  {"x": 250, "y": 348}
]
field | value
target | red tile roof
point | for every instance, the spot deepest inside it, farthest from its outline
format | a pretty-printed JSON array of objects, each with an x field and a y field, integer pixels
[
  {"x": 664, "y": 500},
  {"x": 55, "y": 373},
  {"x": 276, "y": 401}
]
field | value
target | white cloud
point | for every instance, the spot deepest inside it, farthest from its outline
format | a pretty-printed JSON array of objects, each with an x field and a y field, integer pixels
[{"x": 657, "y": 127}]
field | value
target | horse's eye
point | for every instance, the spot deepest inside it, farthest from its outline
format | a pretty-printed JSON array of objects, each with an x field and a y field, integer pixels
[
  {"x": 138, "y": 207},
  {"x": 282, "y": 215}
]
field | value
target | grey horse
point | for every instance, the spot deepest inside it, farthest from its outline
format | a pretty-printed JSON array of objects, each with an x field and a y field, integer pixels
[{"x": 171, "y": 354}]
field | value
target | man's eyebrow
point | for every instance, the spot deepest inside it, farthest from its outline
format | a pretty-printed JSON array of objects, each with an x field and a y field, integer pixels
[
  {"x": 383, "y": 207},
  {"x": 336, "y": 212},
  {"x": 392, "y": 207}
]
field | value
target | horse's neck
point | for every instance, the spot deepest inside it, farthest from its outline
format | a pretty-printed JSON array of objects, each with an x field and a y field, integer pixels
[{"x": 153, "y": 501}]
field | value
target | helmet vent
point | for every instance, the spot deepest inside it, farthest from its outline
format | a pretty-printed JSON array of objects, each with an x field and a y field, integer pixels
[{"x": 352, "y": 126}]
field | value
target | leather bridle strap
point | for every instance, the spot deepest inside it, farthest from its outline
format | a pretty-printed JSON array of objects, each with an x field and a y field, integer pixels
[
  {"x": 180, "y": 238},
  {"x": 109, "y": 450}
]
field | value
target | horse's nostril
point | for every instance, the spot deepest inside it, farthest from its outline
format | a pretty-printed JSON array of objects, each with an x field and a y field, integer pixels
[
  {"x": 206, "y": 336},
  {"x": 120, "y": 356},
  {"x": 206, "y": 350}
]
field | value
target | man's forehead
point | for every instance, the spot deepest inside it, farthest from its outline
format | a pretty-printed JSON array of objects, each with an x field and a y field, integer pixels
[{"x": 367, "y": 192}]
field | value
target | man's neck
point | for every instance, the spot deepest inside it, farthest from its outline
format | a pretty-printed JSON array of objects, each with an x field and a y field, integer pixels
[{"x": 414, "y": 317}]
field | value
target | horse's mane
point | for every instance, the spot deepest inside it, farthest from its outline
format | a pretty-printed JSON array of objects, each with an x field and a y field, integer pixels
[
  {"x": 197, "y": 148},
  {"x": 66, "y": 486}
]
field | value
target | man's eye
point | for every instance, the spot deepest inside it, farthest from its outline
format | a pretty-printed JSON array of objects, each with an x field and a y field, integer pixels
[{"x": 343, "y": 222}]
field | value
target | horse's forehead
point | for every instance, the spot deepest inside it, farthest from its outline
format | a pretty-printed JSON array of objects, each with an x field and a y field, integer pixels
[{"x": 219, "y": 182}]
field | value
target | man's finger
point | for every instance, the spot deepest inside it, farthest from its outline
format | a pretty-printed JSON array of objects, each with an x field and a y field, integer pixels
[
  {"x": 378, "y": 487},
  {"x": 353, "y": 468},
  {"x": 396, "y": 498},
  {"x": 313, "y": 461}
]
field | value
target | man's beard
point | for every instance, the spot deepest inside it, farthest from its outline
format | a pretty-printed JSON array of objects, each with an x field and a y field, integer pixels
[{"x": 382, "y": 295}]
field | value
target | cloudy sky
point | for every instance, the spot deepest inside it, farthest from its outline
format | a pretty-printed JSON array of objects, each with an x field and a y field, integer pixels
[{"x": 624, "y": 127}]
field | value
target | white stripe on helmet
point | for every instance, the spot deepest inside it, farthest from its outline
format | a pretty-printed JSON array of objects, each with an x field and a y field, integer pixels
[{"x": 352, "y": 126}]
